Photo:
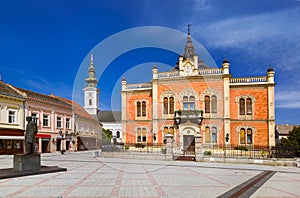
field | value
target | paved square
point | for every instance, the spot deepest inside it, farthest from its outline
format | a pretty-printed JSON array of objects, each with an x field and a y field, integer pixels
[{"x": 88, "y": 176}]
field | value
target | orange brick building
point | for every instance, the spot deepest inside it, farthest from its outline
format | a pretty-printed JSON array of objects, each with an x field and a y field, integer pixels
[{"x": 193, "y": 99}]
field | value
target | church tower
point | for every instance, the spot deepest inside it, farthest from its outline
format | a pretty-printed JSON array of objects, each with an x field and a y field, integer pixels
[{"x": 91, "y": 92}]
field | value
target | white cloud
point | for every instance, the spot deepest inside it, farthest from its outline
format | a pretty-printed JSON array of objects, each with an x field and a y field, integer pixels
[
  {"x": 273, "y": 36},
  {"x": 287, "y": 99}
]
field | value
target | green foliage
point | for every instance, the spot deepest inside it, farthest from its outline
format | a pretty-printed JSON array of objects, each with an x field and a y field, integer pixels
[
  {"x": 164, "y": 150},
  {"x": 139, "y": 145},
  {"x": 106, "y": 135},
  {"x": 207, "y": 153},
  {"x": 241, "y": 148},
  {"x": 293, "y": 140},
  {"x": 126, "y": 147}
]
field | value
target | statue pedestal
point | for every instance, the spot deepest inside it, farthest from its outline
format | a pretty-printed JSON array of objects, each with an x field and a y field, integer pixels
[{"x": 27, "y": 162}]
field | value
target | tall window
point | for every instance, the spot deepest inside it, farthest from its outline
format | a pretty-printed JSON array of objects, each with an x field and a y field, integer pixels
[
  {"x": 172, "y": 131},
  {"x": 242, "y": 106},
  {"x": 35, "y": 117},
  {"x": 171, "y": 105},
  {"x": 214, "y": 135},
  {"x": 207, "y": 134},
  {"x": 245, "y": 106},
  {"x": 143, "y": 108},
  {"x": 242, "y": 136},
  {"x": 249, "y": 136},
  {"x": 90, "y": 101},
  {"x": 168, "y": 105},
  {"x": 68, "y": 123},
  {"x": 189, "y": 103},
  {"x": 210, "y": 104},
  {"x": 246, "y": 137},
  {"x": 207, "y": 104},
  {"x": 211, "y": 135},
  {"x": 45, "y": 120},
  {"x": 141, "y": 135},
  {"x": 58, "y": 122},
  {"x": 12, "y": 116},
  {"x": 138, "y": 109},
  {"x": 214, "y": 104},
  {"x": 249, "y": 106}
]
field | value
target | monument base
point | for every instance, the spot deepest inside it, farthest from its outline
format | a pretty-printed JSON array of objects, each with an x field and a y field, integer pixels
[{"x": 27, "y": 162}]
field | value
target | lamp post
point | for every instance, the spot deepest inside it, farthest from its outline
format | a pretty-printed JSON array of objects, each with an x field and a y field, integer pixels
[{"x": 62, "y": 150}]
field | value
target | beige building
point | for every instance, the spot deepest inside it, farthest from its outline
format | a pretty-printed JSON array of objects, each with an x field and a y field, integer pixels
[
  {"x": 54, "y": 119},
  {"x": 87, "y": 129},
  {"x": 12, "y": 117}
]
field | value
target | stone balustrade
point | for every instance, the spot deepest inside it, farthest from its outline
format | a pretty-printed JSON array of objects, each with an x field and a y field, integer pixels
[{"x": 258, "y": 79}]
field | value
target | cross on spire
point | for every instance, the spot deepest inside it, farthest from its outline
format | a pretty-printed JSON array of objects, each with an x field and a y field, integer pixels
[{"x": 189, "y": 26}]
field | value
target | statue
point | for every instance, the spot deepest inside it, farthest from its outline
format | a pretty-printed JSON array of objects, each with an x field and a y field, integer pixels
[{"x": 31, "y": 131}]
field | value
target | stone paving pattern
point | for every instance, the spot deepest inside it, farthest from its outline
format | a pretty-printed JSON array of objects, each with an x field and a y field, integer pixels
[{"x": 90, "y": 176}]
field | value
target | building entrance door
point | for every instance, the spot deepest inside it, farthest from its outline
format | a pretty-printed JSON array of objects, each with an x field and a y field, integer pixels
[{"x": 189, "y": 144}]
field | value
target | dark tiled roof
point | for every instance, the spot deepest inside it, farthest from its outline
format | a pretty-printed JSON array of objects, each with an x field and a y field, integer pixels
[
  {"x": 109, "y": 116},
  {"x": 284, "y": 129},
  {"x": 47, "y": 98},
  {"x": 8, "y": 90},
  {"x": 79, "y": 110}
]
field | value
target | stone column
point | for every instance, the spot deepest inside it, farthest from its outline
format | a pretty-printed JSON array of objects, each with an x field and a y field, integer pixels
[
  {"x": 198, "y": 148},
  {"x": 169, "y": 147}
]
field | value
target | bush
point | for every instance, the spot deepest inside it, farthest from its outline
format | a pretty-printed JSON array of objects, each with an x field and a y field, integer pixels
[
  {"x": 241, "y": 148},
  {"x": 139, "y": 145},
  {"x": 164, "y": 150},
  {"x": 126, "y": 147},
  {"x": 207, "y": 153}
]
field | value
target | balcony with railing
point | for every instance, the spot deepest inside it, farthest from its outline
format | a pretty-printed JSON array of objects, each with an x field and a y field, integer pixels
[
  {"x": 249, "y": 80},
  {"x": 194, "y": 116},
  {"x": 139, "y": 86}
]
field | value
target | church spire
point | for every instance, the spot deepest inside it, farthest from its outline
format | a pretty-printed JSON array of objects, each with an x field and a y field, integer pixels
[
  {"x": 91, "y": 80},
  {"x": 189, "y": 48}
]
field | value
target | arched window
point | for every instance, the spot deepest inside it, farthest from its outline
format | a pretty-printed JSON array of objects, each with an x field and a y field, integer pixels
[
  {"x": 143, "y": 108},
  {"x": 249, "y": 136},
  {"x": 185, "y": 103},
  {"x": 214, "y": 135},
  {"x": 171, "y": 105},
  {"x": 242, "y": 136},
  {"x": 138, "y": 109},
  {"x": 90, "y": 101},
  {"x": 192, "y": 102},
  {"x": 172, "y": 131},
  {"x": 144, "y": 135},
  {"x": 139, "y": 135},
  {"x": 214, "y": 104},
  {"x": 189, "y": 103},
  {"x": 166, "y": 130},
  {"x": 249, "y": 106},
  {"x": 118, "y": 134},
  {"x": 242, "y": 106},
  {"x": 165, "y": 105},
  {"x": 207, "y": 104},
  {"x": 207, "y": 135}
]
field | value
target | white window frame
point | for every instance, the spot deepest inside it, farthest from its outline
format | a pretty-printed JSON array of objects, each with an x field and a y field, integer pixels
[
  {"x": 68, "y": 123},
  {"x": 59, "y": 120},
  {"x": 15, "y": 116},
  {"x": 46, "y": 117}
]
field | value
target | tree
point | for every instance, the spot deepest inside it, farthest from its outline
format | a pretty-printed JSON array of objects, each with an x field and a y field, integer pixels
[
  {"x": 293, "y": 140},
  {"x": 106, "y": 135}
]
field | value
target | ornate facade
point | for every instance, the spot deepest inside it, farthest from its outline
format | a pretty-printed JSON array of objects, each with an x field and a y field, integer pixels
[{"x": 194, "y": 98}]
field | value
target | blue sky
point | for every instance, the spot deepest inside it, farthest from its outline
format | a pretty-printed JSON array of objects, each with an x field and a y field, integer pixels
[{"x": 44, "y": 43}]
